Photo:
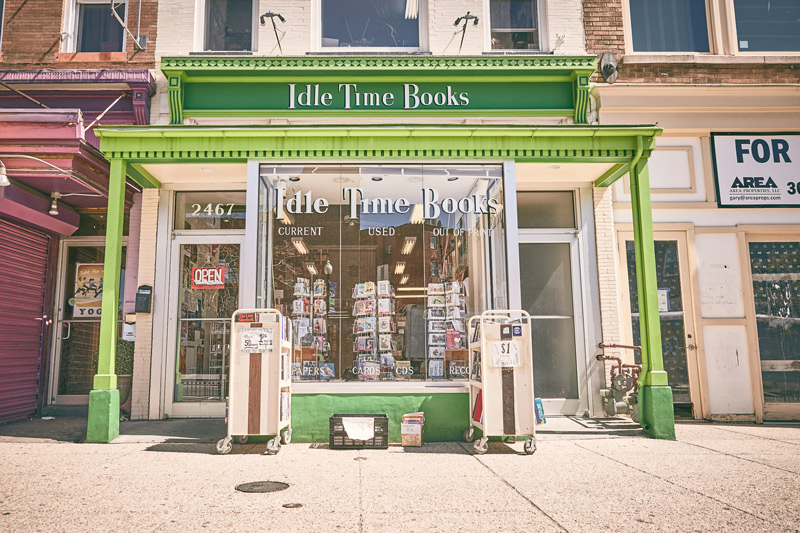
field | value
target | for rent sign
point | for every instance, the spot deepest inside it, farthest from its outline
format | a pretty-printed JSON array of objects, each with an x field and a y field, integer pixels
[
  {"x": 208, "y": 277},
  {"x": 757, "y": 170}
]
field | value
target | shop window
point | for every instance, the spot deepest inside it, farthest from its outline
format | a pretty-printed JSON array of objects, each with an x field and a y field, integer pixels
[
  {"x": 229, "y": 25},
  {"x": 391, "y": 24},
  {"x": 669, "y": 25},
  {"x": 379, "y": 267},
  {"x": 767, "y": 25},
  {"x": 514, "y": 25},
  {"x": 97, "y": 29},
  {"x": 546, "y": 209},
  {"x": 210, "y": 210}
]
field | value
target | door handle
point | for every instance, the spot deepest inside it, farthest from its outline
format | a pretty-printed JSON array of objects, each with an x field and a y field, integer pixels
[
  {"x": 691, "y": 347},
  {"x": 69, "y": 330}
]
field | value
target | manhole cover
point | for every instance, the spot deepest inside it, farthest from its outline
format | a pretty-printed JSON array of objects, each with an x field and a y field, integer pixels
[{"x": 262, "y": 486}]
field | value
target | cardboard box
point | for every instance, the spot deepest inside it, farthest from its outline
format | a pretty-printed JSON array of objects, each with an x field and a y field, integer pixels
[{"x": 411, "y": 434}]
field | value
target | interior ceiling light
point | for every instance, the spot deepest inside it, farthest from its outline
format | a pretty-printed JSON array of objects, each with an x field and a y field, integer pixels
[
  {"x": 3, "y": 176},
  {"x": 452, "y": 178},
  {"x": 417, "y": 214},
  {"x": 301, "y": 247},
  {"x": 288, "y": 219},
  {"x": 404, "y": 280},
  {"x": 54, "y": 204},
  {"x": 377, "y": 178},
  {"x": 400, "y": 267},
  {"x": 294, "y": 178},
  {"x": 408, "y": 245},
  {"x": 312, "y": 268}
]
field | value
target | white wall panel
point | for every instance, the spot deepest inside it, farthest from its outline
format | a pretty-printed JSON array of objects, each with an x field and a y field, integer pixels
[
  {"x": 719, "y": 275},
  {"x": 727, "y": 363}
]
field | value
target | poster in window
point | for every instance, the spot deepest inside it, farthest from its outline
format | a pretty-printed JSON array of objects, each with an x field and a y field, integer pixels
[{"x": 88, "y": 298}]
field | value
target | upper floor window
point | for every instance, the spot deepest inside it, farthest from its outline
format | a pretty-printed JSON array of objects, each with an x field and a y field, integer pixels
[
  {"x": 514, "y": 25},
  {"x": 669, "y": 25},
  {"x": 767, "y": 25},
  {"x": 2, "y": 12},
  {"x": 392, "y": 24},
  {"x": 229, "y": 25},
  {"x": 97, "y": 29}
]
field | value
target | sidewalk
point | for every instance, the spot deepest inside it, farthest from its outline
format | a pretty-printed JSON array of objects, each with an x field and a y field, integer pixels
[{"x": 715, "y": 477}]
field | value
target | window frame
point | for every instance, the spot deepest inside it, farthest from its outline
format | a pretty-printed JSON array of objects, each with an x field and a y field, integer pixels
[
  {"x": 728, "y": 13},
  {"x": 316, "y": 35},
  {"x": 69, "y": 42},
  {"x": 541, "y": 21},
  {"x": 2, "y": 22},
  {"x": 712, "y": 26},
  {"x": 200, "y": 20}
]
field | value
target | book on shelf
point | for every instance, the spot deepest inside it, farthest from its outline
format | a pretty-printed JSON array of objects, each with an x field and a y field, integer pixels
[{"x": 477, "y": 410}]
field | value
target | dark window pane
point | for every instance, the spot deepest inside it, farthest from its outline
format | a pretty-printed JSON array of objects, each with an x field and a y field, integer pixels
[
  {"x": 229, "y": 25},
  {"x": 368, "y": 23},
  {"x": 768, "y": 25},
  {"x": 669, "y": 25},
  {"x": 514, "y": 25},
  {"x": 98, "y": 30}
]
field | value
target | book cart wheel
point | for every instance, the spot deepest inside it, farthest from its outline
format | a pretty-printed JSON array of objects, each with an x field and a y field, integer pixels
[
  {"x": 481, "y": 446},
  {"x": 224, "y": 446},
  {"x": 529, "y": 446},
  {"x": 469, "y": 434},
  {"x": 287, "y": 436},
  {"x": 273, "y": 446},
  {"x": 241, "y": 439}
]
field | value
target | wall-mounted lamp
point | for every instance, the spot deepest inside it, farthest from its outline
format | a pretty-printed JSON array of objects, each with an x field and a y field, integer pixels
[
  {"x": 271, "y": 16},
  {"x": 3, "y": 176},
  {"x": 466, "y": 18},
  {"x": 54, "y": 204}
]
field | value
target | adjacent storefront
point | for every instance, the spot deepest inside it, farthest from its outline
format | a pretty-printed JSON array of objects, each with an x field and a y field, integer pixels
[{"x": 372, "y": 215}]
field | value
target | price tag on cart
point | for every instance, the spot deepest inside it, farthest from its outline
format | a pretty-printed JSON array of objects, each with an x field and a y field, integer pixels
[
  {"x": 256, "y": 340},
  {"x": 506, "y": 354}
]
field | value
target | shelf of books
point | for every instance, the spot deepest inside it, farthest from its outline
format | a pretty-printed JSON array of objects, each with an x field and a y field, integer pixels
[
  {"x": 374, "y": 329},
  {"x": 259, "y": 401},
  {"x": 310, "y": 311},
  {"x": 446, "y": 311},
  {"x": 501, "y": 378}
]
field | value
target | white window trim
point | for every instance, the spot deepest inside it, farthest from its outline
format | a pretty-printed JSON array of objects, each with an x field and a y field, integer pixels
[
  {"x": 316, "y": 35},
  {"x": 69, "y": 41},
  {"x": 199, "y": 41},
  {"x": 541, "y": 16},
  {"x": 714, "y": 45}
]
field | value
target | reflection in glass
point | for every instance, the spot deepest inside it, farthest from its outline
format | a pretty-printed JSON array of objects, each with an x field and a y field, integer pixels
[
  {"x": 369, "y": 23},
  {"x": 208, "y": 296},
  {"x": 673, "y": 334},
  {"x": 98, "y": 30},
  {"x": 406, "y": 270},
  {"x": 776, "y": 291},
  {"x": 514, "y": 24},
  {"x": 767, "y": 25},
  {"x": 669, "y": 25},
  {"x": 229, "y": 25},
  {"x": 210, "y": 210}
]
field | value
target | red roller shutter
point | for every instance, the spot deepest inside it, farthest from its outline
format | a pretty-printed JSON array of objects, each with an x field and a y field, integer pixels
[{"x": 23, "y": 275}]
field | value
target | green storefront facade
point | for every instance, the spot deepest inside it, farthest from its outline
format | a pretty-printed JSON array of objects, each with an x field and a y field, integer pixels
[{"x": 511, "y": 122}]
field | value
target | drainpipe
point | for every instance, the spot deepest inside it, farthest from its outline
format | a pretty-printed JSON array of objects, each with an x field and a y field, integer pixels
[{"x": 637, "y": 155}]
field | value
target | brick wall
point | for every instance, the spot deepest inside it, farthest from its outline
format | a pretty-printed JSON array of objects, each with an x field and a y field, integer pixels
[
  {"x": 604, "y": 26},
  {"x": 32, "y": 37},
  {"x": 140, "y": 390}
]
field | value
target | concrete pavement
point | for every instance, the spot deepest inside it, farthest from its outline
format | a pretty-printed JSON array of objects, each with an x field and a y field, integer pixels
[{"x": 715, "y": 477}]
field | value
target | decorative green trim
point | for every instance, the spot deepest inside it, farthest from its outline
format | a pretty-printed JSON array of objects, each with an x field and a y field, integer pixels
[
  {"x": 142, "y": 177},
  {"x": 656, "y": 411},
  {"x": 258, "y": 86},
  {"x": 545, "y": 144},
  {"x": 612, "y": 175},
  {"x": 103, "y": 422}
]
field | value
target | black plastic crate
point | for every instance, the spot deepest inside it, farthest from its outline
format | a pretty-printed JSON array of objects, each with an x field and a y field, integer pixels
[{"x": 340, "y": 440}]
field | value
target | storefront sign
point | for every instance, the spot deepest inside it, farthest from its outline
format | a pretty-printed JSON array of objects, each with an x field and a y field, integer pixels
[
  {"x": 208, "y": 277},
  {"x": 433, "y": 205},
  {"x": 349, "y": 96},
  {"x": 757, "y": 170},
  {"x": 88, "y": 298}
]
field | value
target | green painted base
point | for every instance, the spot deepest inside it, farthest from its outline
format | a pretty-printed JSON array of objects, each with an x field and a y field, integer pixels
[
  {"x": 446, "y": 414},
  {"x": 103, "y": 423},
  {"x": 656, "y": 414}
]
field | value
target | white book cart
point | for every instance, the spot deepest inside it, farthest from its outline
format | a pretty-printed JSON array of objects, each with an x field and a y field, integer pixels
[
  {"x": 259, "y": 399},
  {"x": 501, "y": 399}
]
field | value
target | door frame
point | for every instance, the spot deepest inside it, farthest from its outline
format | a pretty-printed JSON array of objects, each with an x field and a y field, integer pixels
[
  {"x": 695, "y": 358},
  {"x": 172, "y": 408},
  {"x": 568, "y": 406},
  {"x": 748, "y": 234},
  {"x": 58, "y": 307}
]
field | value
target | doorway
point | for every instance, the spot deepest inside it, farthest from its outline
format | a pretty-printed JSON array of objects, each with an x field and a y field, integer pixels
[
  {"x": 204, "y": 293},
  {"x": 77, "y": 329},
  {"x": 678, "y": 335}
]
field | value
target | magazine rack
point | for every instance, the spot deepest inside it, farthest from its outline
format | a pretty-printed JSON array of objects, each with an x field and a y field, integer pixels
[
  {"x": 501, "y": 395},
  {"x": 259, "y": 399}
]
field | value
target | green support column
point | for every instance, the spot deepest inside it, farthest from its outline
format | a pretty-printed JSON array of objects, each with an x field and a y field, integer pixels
[
  {"x": 656, "y": 414},
  {"x": 103, "y": 423}
]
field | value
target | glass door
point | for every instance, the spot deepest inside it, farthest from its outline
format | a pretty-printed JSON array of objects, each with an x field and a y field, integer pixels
[
  {"x": 205, "y": 293},
  {"x": 77, "y": 332},
  {"x": 551, "y": 294},
  {"x": 775, "y": 269},
  {"x": 678, "y": 342}
]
